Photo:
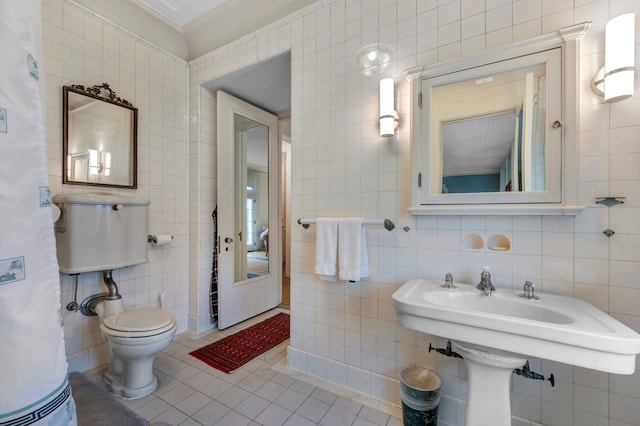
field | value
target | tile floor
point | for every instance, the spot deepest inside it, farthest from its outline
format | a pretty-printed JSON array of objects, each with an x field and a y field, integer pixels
[{"x": 262, "y": 392}]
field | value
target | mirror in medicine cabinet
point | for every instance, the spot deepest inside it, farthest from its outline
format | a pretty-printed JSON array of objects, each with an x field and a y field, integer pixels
[{"x": 496, "y": 132}]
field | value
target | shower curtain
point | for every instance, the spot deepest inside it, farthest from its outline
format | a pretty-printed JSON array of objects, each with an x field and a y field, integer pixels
[{"x": 33, "y": 368}]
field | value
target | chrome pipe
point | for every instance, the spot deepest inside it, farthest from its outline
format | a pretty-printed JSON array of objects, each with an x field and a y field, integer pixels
[{"x": 112, "y": 287}]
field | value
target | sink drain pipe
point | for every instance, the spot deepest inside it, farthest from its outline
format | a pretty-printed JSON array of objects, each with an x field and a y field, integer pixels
[{"x": 525, "y": 371}]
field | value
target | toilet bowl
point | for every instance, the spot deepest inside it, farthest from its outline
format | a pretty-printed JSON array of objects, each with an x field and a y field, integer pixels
[{"x": 134, "y": 338}]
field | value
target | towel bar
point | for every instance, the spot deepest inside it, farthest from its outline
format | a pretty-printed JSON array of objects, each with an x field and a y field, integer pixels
[{"x": 388, "y": 225}]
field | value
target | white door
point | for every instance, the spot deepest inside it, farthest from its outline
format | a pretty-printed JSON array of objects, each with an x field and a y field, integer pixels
[{"x": 248, "y": 207}]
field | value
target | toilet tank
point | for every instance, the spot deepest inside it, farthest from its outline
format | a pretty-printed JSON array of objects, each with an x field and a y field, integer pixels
[{"x": 98, "y": 232}]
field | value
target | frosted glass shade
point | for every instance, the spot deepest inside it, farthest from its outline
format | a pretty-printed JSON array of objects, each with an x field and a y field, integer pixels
[
  {"x": 387, "y": 107},
  {"x": 387, "y": 126},
  {"x": 619, "y": 59},
  {"x": 93, "y": 162}
]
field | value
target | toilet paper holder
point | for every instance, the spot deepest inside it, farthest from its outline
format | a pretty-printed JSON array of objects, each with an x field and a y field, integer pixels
[{"x": 153, "y": 239}]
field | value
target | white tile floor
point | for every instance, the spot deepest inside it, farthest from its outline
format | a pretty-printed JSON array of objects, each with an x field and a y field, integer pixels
[{"x": 262, "y": 392}]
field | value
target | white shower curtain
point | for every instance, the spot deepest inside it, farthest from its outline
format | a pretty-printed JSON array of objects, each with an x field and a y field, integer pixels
[{"x": 33, "y": 368}]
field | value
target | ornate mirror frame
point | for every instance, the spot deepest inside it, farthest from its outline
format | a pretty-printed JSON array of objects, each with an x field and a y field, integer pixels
[{"x": 109, "y": 153}]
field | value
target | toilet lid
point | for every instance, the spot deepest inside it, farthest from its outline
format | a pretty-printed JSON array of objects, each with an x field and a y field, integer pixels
[{"x": 143, "y": 319}]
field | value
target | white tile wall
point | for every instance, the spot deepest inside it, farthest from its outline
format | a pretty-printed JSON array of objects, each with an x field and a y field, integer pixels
[
  {"x": 82, "y": 48},
  {"x": 346, "y": 332},
  {"x": 347, "y": 328}
]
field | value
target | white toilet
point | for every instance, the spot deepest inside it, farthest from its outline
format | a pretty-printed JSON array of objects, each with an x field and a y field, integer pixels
[
  {"x": 134, "y": 338},
  {"x": 102, "y": 232}
]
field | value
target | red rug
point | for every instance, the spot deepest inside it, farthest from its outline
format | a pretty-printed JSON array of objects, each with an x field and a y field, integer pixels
[{"x": 234, "y": 351}]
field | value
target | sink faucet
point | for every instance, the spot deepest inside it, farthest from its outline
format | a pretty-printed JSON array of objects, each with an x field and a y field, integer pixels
[
  {"x": 448, "y": 281},
  {"x": 529, "y": 291},
  {"x": 485, "y": 281}
]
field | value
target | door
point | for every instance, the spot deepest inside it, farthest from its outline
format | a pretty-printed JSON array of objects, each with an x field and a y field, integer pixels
[{"x": 248, "y": 205}]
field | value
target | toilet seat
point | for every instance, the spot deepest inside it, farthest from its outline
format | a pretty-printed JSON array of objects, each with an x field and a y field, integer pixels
[{"x": 141, "y": 322}]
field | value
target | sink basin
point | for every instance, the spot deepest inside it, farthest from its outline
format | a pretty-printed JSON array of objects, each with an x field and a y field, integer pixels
[
  {"x": 497, "y": 304},
  {"x": 556, "y": 328}
]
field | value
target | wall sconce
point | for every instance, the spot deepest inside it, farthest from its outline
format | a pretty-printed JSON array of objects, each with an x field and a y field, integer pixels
[
  {"x": 106, "y": 162},
  {"x": 389, "y": 119},
  {"x": 99, "y": 162},
  {"x": 615, "y": 80},
  {"x": 93, "y": 162}
]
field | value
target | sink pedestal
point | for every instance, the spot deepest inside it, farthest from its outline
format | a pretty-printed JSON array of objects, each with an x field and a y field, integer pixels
[{"x": 488, "y": 377}]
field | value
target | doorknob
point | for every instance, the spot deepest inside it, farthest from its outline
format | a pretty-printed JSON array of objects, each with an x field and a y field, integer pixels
[{"x": 228, "y": 240}]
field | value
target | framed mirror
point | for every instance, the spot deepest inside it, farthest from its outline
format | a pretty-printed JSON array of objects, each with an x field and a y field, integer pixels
[
  {"x": 100, "y": 137},
  {"x": 496, "y": 132}
]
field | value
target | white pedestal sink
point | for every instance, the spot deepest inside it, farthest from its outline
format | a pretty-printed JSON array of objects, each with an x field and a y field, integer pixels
[
  {"x": 488, "y": 377},
  {"x": 497, "y": 333}
]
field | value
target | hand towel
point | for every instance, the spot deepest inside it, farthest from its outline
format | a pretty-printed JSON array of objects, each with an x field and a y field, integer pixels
[
  {"x": 353, "y": 261},
  {"x": 326, "y": 248}
]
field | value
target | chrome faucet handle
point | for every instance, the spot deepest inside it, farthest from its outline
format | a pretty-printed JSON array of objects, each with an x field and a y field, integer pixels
[
  {"x": 448, "y": 281},
  {"x": 529, "y": 291},
  {"x": 485, "y": 281}
]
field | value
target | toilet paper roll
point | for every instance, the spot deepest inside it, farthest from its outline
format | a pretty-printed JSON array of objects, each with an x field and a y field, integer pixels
[
  {"x": 161, "y": 239},
  {"x": 55, "y": 212}
]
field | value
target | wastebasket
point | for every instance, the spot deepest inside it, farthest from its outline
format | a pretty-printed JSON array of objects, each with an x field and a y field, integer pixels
[{"x": 420, "y": 391}]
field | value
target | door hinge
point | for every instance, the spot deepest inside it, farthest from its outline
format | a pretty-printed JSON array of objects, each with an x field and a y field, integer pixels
[
  {"x": 419, "y": 99},
  {"x": 419, "y": 180}
]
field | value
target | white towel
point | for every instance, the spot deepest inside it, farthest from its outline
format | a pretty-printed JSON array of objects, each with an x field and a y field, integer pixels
[
  {"x": 326, "y": 248},
  {"x": 353, "y": 261}
]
